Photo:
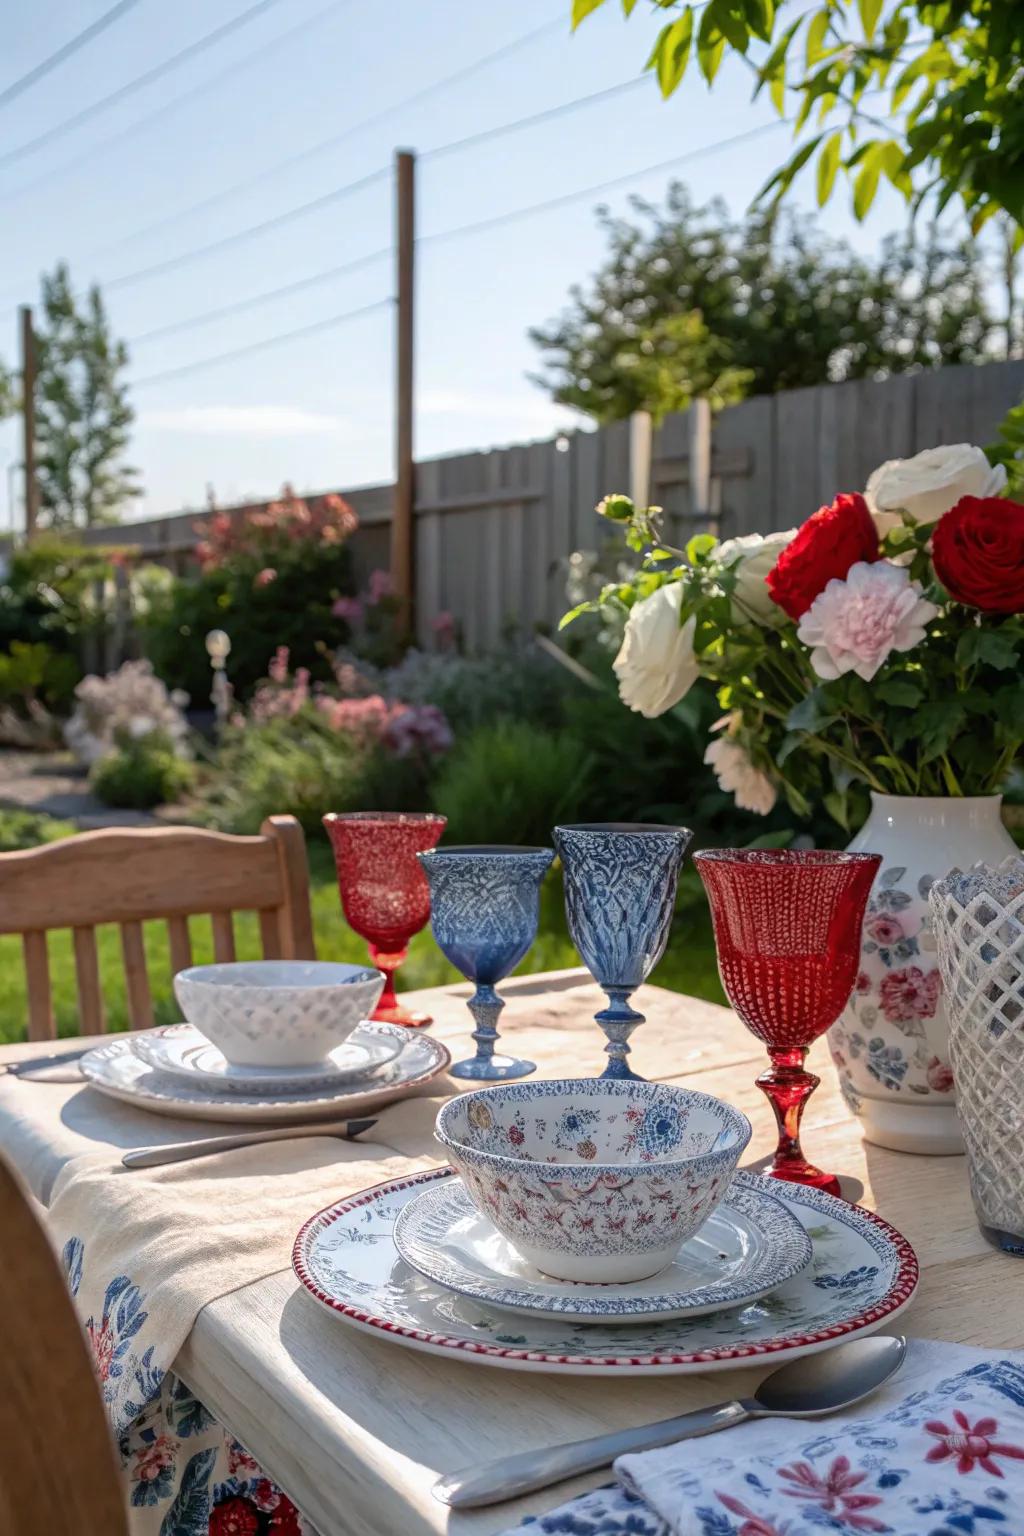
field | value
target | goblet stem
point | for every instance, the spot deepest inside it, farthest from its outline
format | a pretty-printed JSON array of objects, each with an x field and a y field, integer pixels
[
  {"x": 389, "y": 1010},
  {"x": 618, "y": 1021},
  {"x": 787, "y": 1087},
  {"x": 485, "y": 1005}
]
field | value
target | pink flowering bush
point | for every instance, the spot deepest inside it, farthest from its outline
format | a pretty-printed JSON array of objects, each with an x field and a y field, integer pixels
[{"x": 281, "y": 571}]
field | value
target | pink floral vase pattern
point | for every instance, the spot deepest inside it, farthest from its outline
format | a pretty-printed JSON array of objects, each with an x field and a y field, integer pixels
[{"x": 892, "y": 1034}]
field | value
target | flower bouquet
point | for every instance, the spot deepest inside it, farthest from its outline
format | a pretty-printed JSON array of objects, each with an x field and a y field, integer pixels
[{"x": 873, "y": 656}]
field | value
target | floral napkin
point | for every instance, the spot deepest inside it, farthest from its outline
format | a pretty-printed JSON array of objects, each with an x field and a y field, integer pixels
[{"x": 938, "y": 1452}]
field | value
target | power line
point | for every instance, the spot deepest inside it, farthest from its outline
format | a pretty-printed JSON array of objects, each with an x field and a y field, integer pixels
[
  {"x": 237, "y": 306},
  {"x": 278, "y": 219},
  {"x": 260, "y": 346},
  {"x": 546, "y": 115},
  {"x": 92, "y": 155},
  {"x": 156, "y": 73},
  {"x": 72, "y": 46},
  {"x": 564, "y": 199},
  {"x": 260, "y": 298},
  {"x": 493, "y": 221},
  {"x": 340, "y": 138}
]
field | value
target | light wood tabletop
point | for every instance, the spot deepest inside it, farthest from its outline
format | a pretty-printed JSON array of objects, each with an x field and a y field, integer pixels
[{"x": 357, "y": 1428}]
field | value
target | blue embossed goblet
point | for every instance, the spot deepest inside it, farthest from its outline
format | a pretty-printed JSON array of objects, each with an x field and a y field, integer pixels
[
  {"x": 620, "y": 893},
  {"x": 484, "y": 907}
]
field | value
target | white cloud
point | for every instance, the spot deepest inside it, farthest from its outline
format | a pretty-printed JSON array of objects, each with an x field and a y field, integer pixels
[{"x": 242, "y": 420}]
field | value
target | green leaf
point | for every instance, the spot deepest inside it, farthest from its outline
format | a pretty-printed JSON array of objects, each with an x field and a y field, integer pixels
[
  {"x": 772, "y": 839},
  {"x": 774, "y": 66},
  {"x": 574, "y": 613},
  {"x": 782, "y": 179},
  {"x": 999, "y": 648},
  {"x": 672, "y": 52},
  {"x": 816, "y": 31},
  {"x": 828, "y": 165},
  {"x": 699, "y": 546},
  {"x": 777, "y": 93},
  {"x": 1009, "y": 707},
  {"x": 628, "y": 7},
  {"x": 581, "y": 9},
  {"x": 870, "y": 10},
  {"x": 938, "y": 722},
  {"x": 836, "y": 804},
  {"x": 864, "y": 187},
  {"x": 901, "y": 691},
  {"x": 709, "y": 57},
  {"x": 812, "y": 714},
  {"x": 731, "y": 23}
]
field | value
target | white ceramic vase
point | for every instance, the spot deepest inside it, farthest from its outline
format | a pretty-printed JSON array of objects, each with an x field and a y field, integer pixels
[{"x": 891, "y": 1044}]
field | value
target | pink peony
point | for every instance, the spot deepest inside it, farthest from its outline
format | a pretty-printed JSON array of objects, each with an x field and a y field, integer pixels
[
  {"x": 265, "y": 577},
  {"x": 381, "y": 586},
  {"x": 856, "y": 624},
  {"x": 348, "y": 608},
  {"x": 910, "y": 994},
  {"x": 883, "y": 929}
]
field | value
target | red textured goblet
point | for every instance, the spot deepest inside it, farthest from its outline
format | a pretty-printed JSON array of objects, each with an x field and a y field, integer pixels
[
  {"x": 787, "y": 931},
  {"x": 384, "y": 891}
]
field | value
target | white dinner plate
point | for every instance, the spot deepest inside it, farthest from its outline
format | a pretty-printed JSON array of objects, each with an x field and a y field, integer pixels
[
  {"x": 862, "y": 1275},
  {"x": 750, "y": 1245},
  {"x": 181, "y": 1051},
  {"x": 115, "y": 1069}
]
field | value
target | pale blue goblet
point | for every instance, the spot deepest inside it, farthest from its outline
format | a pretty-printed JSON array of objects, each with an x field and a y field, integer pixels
[
  {"x": 620, "y": 893},
  {"x": 484, "y": 908}
]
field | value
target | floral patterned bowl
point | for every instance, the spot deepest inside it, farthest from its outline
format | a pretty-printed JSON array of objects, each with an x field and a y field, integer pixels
[
  {"x": 277, "y": 1013},
  {"x": 592, "y": 1179}
]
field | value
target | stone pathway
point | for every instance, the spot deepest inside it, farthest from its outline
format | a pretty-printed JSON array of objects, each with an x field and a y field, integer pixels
[{"x": 53, "y": 783}]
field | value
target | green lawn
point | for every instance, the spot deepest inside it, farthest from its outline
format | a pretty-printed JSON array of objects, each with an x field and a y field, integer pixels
[{"x": 688, "y": 966}]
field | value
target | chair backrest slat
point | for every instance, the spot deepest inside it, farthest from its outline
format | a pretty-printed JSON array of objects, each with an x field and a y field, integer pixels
[
  {"x": 87, "y": 973},
  {"x": 58, "y": 1473},
  {"x": 37, "y": 973},
  {"x": 129, "y": 876},
  {"x": 140, "y": 1004},
  {"x": 270, "y": 934},
  {"x": 180, "y": 944},
  {"x": 223, "y": 936}
]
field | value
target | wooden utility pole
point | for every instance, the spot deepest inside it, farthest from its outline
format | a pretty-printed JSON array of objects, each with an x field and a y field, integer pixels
[
  {"x": 28, "y": 416},
  {"x": 402, "y": 568}
]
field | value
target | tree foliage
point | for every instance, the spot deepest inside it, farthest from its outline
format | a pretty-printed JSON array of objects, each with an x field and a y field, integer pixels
[
  {"x": 83, "y": 416},
  {"x": 948, "y": 74},
  {"x": 690, "y": 303}
]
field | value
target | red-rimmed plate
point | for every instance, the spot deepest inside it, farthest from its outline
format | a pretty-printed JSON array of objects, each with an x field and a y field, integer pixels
[{"x": 863, "y": 1274}]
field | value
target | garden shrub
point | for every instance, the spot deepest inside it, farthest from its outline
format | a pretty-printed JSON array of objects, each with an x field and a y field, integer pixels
[
  {"x": 141, "y": 771},
  {"x": 129, "y": 702},
  {"x": 276, "y": 575},
  {"x": 511, "y": 782},
  {"x": 28, "y": 829},
  {"x": 290, "y": 764}
]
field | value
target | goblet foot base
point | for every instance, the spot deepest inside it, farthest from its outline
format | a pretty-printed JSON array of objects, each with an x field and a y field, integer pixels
[
  {"x": 492, "y": 1069},
  {"x": 400, "y": 1015},
  {"x": 620, "y": 1073},
  {"x": 806, "y": 1173}
]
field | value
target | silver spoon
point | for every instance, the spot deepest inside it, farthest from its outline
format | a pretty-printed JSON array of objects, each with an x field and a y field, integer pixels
[{"x": 803, "y": 1389}]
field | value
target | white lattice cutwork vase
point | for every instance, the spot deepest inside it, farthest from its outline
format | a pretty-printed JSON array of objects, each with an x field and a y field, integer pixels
[
  {"x": 891, "y": 1044},
  {"x": 978, "y": 921}
]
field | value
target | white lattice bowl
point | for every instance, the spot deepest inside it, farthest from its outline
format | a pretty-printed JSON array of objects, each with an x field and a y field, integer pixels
[
  {"x": 277, "y": 1013},
  {"x": 979, "y": 926},
  {"x": 594, "y": 1179}
]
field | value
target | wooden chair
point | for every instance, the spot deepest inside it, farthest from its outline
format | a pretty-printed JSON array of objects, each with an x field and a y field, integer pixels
[
  {"x": 58, "y": 1471},
  {"x": 128, "y": 876}
]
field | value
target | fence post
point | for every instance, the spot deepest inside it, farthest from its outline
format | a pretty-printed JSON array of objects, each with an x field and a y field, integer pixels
[
  {"x": 28, "y": 418},
  {"x": 402, "y": 575},
  {"x": 641, "y": 432}
]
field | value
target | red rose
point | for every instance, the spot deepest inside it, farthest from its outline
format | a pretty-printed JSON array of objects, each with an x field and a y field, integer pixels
[
  {"x": 835, "y": 538},
  {"x": 234, "y": 1517},
  {"x": 285, "y": 1521},
  {"x": 978, "y": 550}
]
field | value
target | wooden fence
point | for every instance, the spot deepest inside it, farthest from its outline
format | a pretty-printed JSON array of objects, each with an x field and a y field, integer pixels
[{"x": 494, "y": 530}]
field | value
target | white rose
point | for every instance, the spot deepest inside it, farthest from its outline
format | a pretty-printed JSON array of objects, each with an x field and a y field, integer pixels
[
  {"x": 930, "y": 483},
  {"x": 656, "y": 665},
  {"x": 751, "y": 789},
  {"x": 754, "y": 555}
]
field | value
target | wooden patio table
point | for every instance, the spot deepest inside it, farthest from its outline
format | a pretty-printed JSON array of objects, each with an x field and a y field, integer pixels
[{"x": 357, "y": 1428}]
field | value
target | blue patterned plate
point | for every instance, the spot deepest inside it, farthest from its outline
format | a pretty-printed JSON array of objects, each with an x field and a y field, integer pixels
[
  {"x": 749, "y": 1246},
  {"x": 862, "y": 1275}
]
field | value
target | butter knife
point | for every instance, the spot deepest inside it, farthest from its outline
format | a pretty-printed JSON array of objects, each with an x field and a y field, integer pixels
[{"x": 183, "y": 1151}]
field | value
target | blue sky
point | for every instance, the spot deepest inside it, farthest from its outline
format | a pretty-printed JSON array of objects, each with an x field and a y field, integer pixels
[{"x": 317, "y": 410}]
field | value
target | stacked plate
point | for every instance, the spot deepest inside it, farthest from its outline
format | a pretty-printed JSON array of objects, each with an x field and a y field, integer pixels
[
  {"x": 271, "y": 1041},
  {"x": 597, "y": 1226}
]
